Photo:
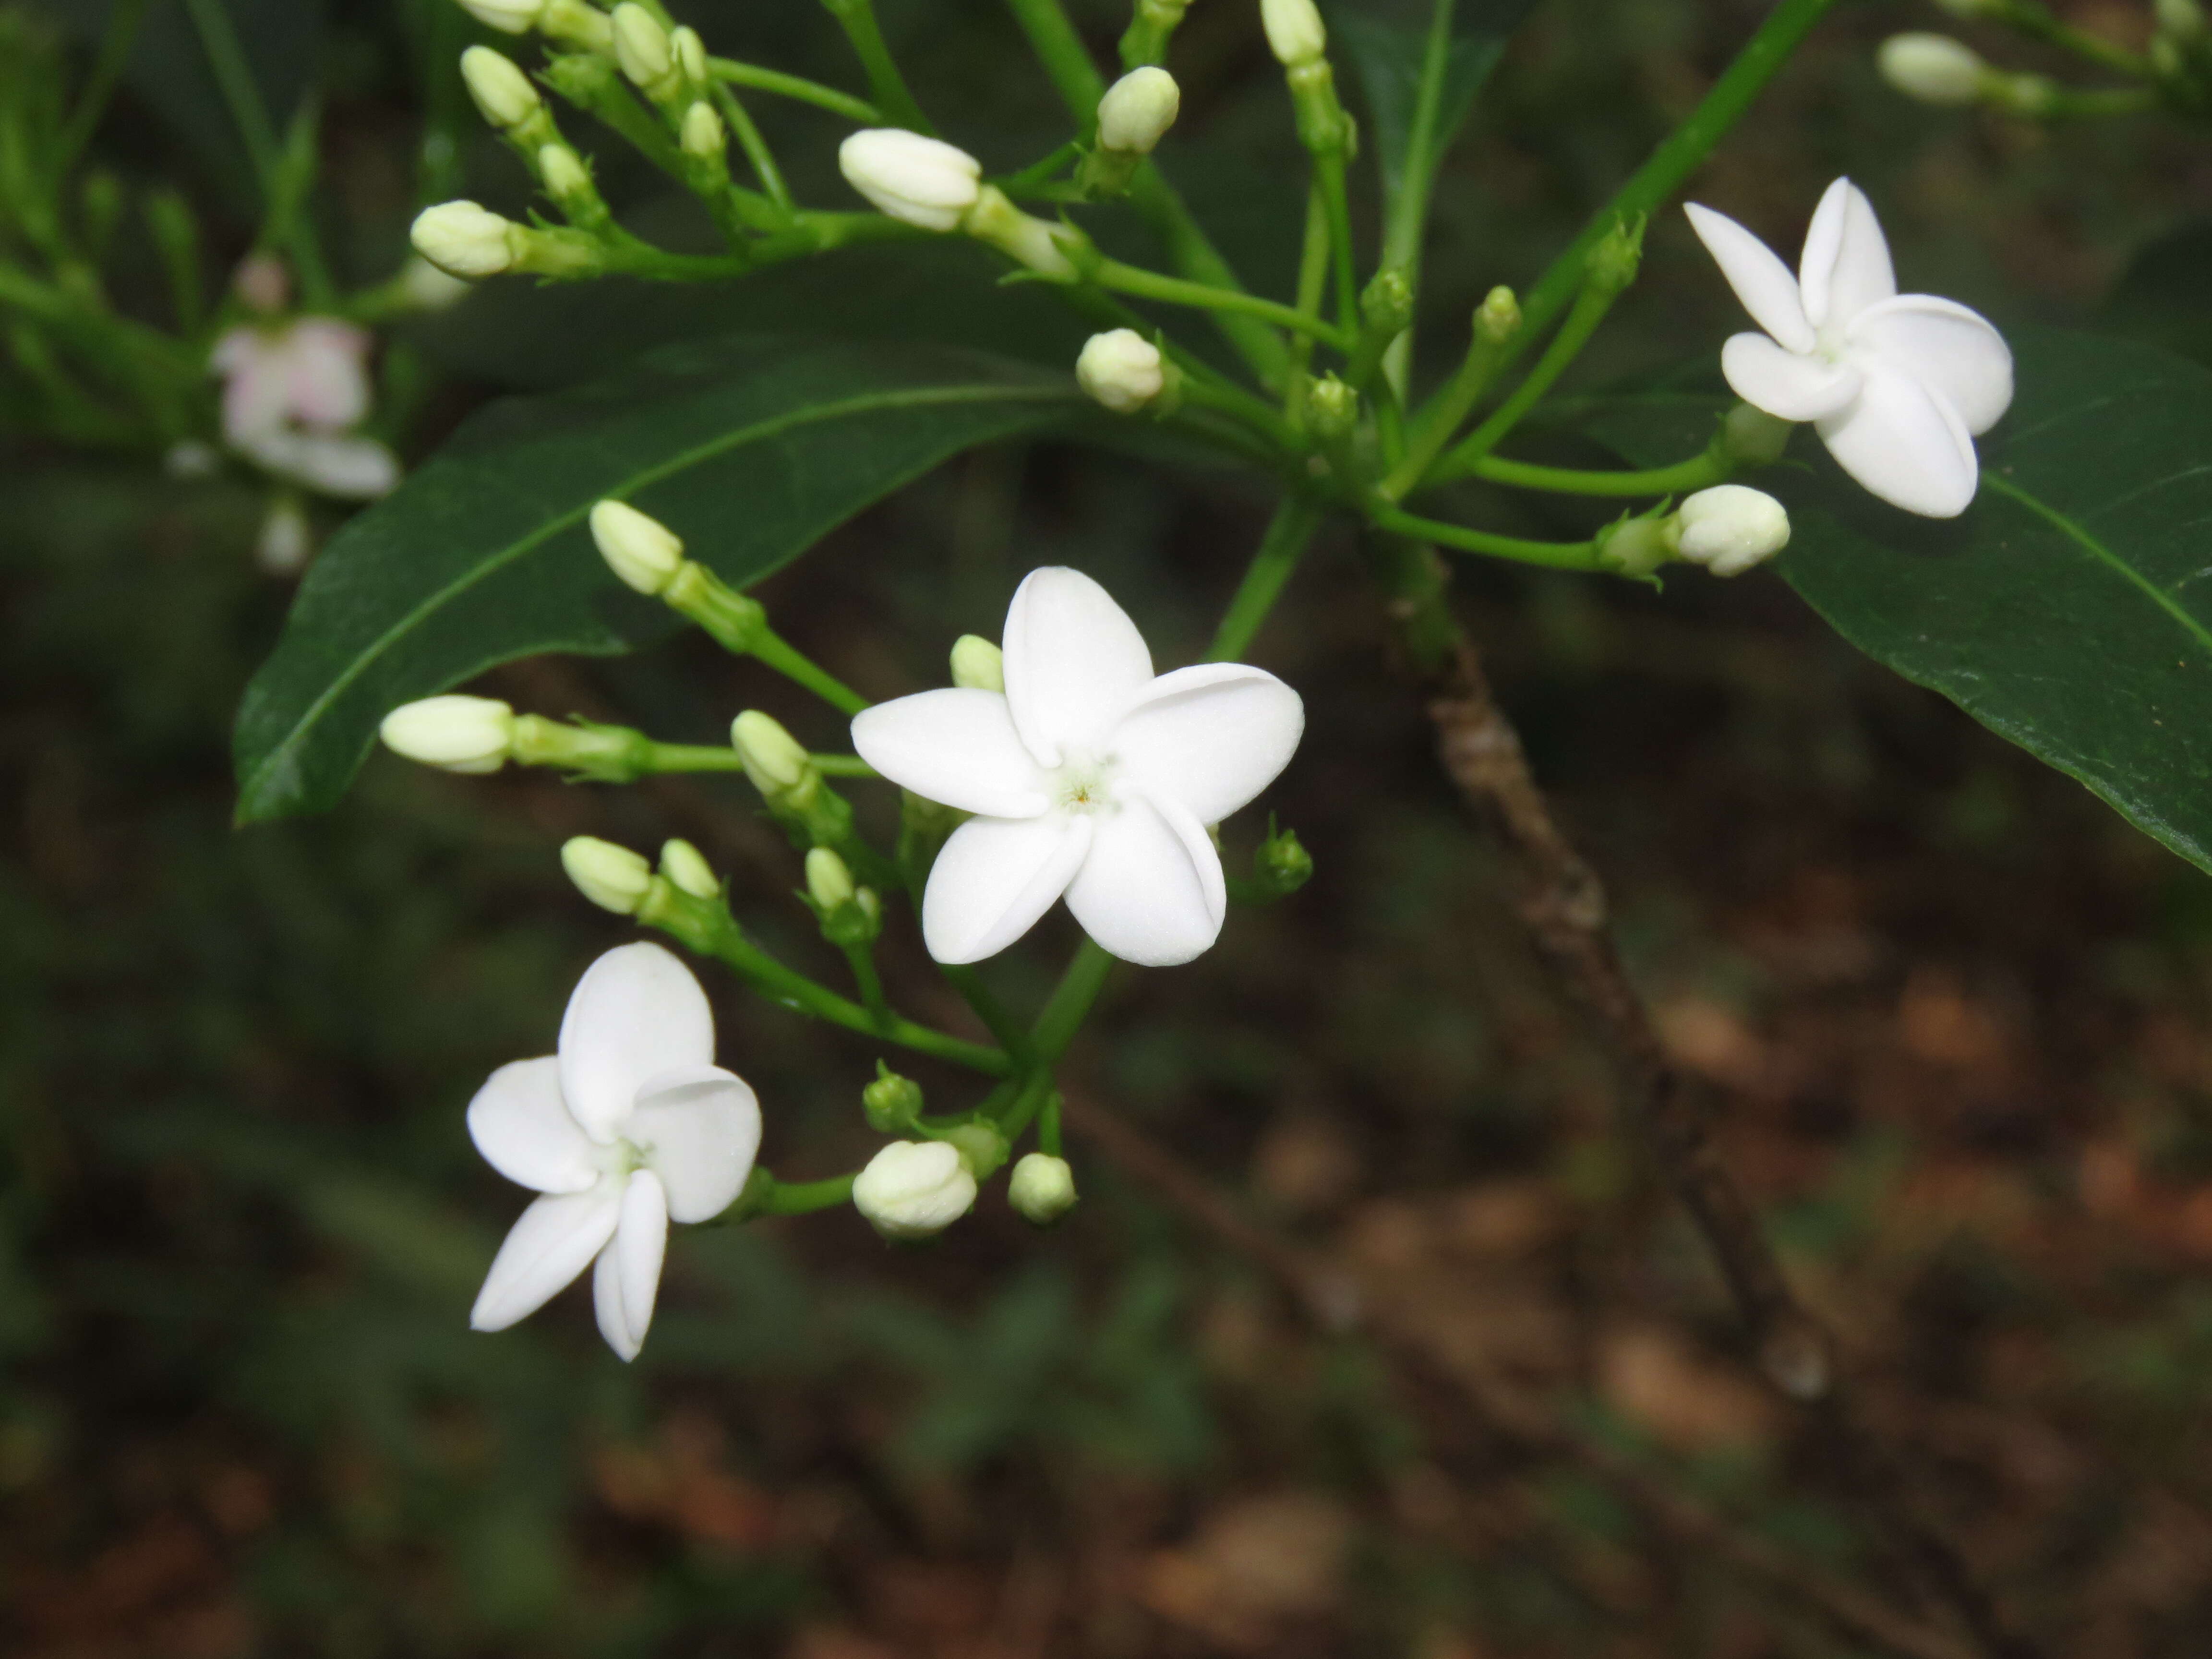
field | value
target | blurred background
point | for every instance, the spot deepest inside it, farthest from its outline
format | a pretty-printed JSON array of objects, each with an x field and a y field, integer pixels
[{"x": 1951, "y": 1012}]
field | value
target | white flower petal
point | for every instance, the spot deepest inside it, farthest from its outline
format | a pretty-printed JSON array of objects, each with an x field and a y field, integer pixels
[
  {"x": 543, "y": 1251},
  {"x": 607, "y": 1305},
  {"x": 521, "y": 1125},
  {"x": 637, "y": 1013},
  {"x": 1074, "y": 663},
  {"x": 1788, "y": 385},
  {"x": 351, "y": 469},
  {"x": 326, "y": 383},
  {"x": 957, "y": 746},
  {"x": 254, "y": 386},
  {"x": 1210, "y": 737},
  {"x": 700, "y": 1129},
  {"x": 1151, "y": 890},
  {"x": 995, "y": 878},
  {"x": 640, "y": 1244},
  {"x": 1762, "y": 282},
  {"x": 1846, "y": 266},
  {"x": 1904, "y": 443},
  {"x": 1944, "y": 345}
]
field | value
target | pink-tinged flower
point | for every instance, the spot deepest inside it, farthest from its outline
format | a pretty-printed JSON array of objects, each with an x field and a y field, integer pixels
[
  {"x": 1090, "y": 778},
  {"x": 630, "y": 1126},
  {"x": 1897, "y": 385},
  {"x": 291, "y": 392}
]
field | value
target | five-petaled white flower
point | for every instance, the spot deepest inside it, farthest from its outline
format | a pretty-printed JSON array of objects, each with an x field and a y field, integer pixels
[
  {"x": 291, "y": 391},
  {"x": 1897, "y": 385},
  {"x": 631, "y": 1126},
  {"x": 1089, "y": 776}
]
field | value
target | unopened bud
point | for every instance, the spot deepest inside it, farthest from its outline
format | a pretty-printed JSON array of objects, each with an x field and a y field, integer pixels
[
  {"x": 691, "y": 54},
  {"x": 1932, "y": 68},
  {"x": 1137, "y": 111},
  {"x": 1122, "y": 369},
  {"x": 642, "y": 551},
  {"x": 1730, "y": 527},
  {"x": 2021, "y": 95},
  {"x": 507, "y": 17},
  {"x": 642, "y": 50},
  {"x": 463, "y": 239},
  {"x": 1042, "y": 1188},
  {"x": 1386, "y": 305},
  {"x": 457, "y": 733},
  {"x": 1498, "y": 319},
  {"x": 913, "y": 1188},
  {"x": 1614, "y": 261},
  {"x": 774, "y": 759},
  {"x": 1294, "y": 33},
  {"x": 502, "y": 92},
  {"x": 428, "y": 288},
  {"x": 891, "y": 1103},
  {"x": 1040, "y": 245},
  {"x": 1281, "y": 864},
  {"x": 703, "y": 134},
  {"x": 919, "y": 181},
  {"x": 829, "y": 883},
  {"x": 565, "y": 179},
  {"x": 1635, "y": 547},
  {"x": 1752, "y": 437},
  {"x": 982, "y": 1147},
  {"x": 1332, "y": 408},
  {"x": 685, "y": 867},
  {"x": 978, "y": 664},
  {"x": 613, "y": 877}
]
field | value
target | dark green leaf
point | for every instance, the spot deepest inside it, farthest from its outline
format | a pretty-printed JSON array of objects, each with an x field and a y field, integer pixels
[
  {"x": 2161, "y": 297},
  {"x": 2068, "y": 609},
  {"x": 751, "y": 449},
  {"x": 1387, "y": 45}
]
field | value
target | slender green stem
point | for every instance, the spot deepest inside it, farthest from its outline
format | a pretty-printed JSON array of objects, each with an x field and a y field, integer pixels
[
  {"x": 1013, "y": 1036},
  {"x": 115, "y": 44},
  {"x": 2067, "y": 104},
  {"x": 1432, "y": 427},
  {"x": 1591, "y": 306},
  {"x": 1033, "y": 178},
  {"x": 1328, "y": 175},
  {"x": 1406, "y": 216},
  {"x": 2038, "y": 23},
  {"x": 1055, "y": 1028},
  {"x": 1696, "y": 473},
  {"x": 1288, "y": 535},
  {"x": 858, "y": 19},
  {"x": 1048, "y": 1125},
  {"x": 235, "y": 78},
  {"x": 779, "y": 653},
  {"x": 870, "y": 983},
  {"x": 1176, "y": 290},
  {"x": 1560, "y": 556},
  {"x": 799, "y": 1197},
  {"x": 1035, "y": 1094},
  {"x": 778, "y": 84},
  {"x": 1313, "y": 284},
  {"x": 842, "y": 766},
  {"x": 757, "y": 153}
]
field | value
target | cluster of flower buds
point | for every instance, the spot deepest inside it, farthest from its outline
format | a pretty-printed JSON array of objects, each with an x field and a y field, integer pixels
[{"x": 936, "y": 186}]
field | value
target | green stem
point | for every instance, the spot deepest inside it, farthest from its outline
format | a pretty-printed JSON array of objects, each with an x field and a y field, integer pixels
[
  {"x": 1288, "y": 535},
  {"x": 870, "y": 984},
  {"x": 1033, "y": 178},
  {"x": 1558, "y": 556},
  {"x": 1696, "y": 473},
  {"x": 1405, "y": 218},
  {"x": 2038, "y": 23},
  {"x": 1055, "y": 1028},
  {"x": 798, "y": 1197},
  {"x": 842, "y": 766},
  {"x": 1313, "y": 284},
  {"x": 778, "y": 84},
  {"x": 235, "y": 79},
  {"x": 756, "y": 151},
  {"x": 115, "y": 44},
  {"x": 1328, "y": 174},
  {"x": 1176, "y": 290},
  {"x": 777, "y": 652},
  {"x": 1590, "y": 307},
  {"x": 1048, "y": 1125},
  {"x": 858, "y": 19},
  {"x": 2105, "y": 102},
  {"x": 1013, "y": 1036}
]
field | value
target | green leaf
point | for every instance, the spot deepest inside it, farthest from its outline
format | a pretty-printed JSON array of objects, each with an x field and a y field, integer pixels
[
  {"x": 751, "y": 449},
  {"x": 2161, "y": 299},
  {"x": 2068, "y": 609},
  {"x": 1387, "y": 44}
]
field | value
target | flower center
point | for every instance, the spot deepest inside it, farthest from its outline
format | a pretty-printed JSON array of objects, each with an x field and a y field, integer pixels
[{"x": 1085, "y": 783}]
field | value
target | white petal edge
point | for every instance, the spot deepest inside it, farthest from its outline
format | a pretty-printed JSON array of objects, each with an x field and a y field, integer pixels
[
  {"x": 995, "y": 878},
  {"x": 1152, "y": 891},
  {"x": 607, "y": 1306},
  {"x": 1074, "y": 663},
  {"x": 957, "y": 746},
  {"x": 640, "y": 1246},
  {"x": 1761, "y": 281},
  {"x": 327, "y": 385},
  {"x": 521, "y": 1125},
  {"x": 1906, "y": 444},
  {"x": 1845, "y": 265},
  {"x": 553, "y": 1242},
  {"x": 1787, "y": 385},
  {"x": 637, "y": 1013},
  {"x": 1210, "y": 737},
  {"x": 1944, "y": 345},
  {"x": 700, "y": 1129}
]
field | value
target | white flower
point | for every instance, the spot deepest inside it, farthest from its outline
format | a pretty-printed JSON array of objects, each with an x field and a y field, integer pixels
[
  {"x": 1730, "y": 527},
  {"x": 919, "y": 181},
  {"x": 912, "y": 1189},
  {"x": 455, "y": 733},
  {"x": 463, "y": 239},
  {"x": 1933, "y": 67},
  {"x": 1090, "y": 778},
  {"x": 1122, "y": 369},
  {"x": 1897, "y": 385},
  {"x": 630, "y": 1126},
  {"x": 1137, "y": 111},
  {"x": 290, "y": 389}
]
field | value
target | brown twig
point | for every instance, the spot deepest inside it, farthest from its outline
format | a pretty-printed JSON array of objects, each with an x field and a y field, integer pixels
[
  {"x": 1334, "y": 1298},
  {"x": 1564, "y": 906}
]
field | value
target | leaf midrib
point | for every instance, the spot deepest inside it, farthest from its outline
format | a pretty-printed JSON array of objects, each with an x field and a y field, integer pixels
[
  {"x": 789, "y": 421},
  {"x": 2049, "y": 514}
]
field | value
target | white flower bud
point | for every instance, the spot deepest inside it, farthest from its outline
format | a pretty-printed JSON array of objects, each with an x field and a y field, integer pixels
[
  {"x": 502, "y": 92},
  {"x": 1731, "y": 527},
  {"x": 1122, "y": 369},
  {"x": 684, "y": 866},
  {"x": 642, "y": 551},
  {"x": 463, "y": 239},
  {"x": 1294, "y": 28},
  {"x": 919, "y": 181},
  {"x": 912, "y": 1189},
  {"x": 1042, "y": 1188},
  {"x": 458, "y": 733},
  {"x": 774, "y": 759},
  {"x": 508, "y": 16},
  {"x": 428, "y": 288},
  {"x": 286, "y": 541},
  {"x": 1933, "y": 67},
  {"x": 703, "y": 134},
  {"x": 691, "y": 54},
  {"x": 1138, "y": 110},
  {"x": 978, "y": 664},
  {"x": 641, "y": 46},
  {"x": 829, "y": 883},
  {"x": 613, "y": 877},
  {"x": 563, "y": 172}
]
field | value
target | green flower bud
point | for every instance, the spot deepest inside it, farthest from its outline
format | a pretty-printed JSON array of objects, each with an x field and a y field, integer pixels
[
  {"x": 502, "y": 92},
  {"x": 613, "y": 877},
  {"x": 1387, "y": 303},
  {"x": 690, "y": 55},
  {"x": 686, "y": 868},
  {"x": 456, "y": 733},
  {"x": 1635, "y": 547},
  {"x": 1294, "y": 33},
  {"x": 1281, "y": 864},
  {"x": 642, "y": 551},
  {"x": 978, "y": 664},
  {"x": 1042, "y": 1188},
  {"x": 891, "y": 1103},
  {"x": 1498, "y": 319},
  {"x": 1751, "y": 437},
  {"x": 776, "y": 761},
  {"x": 982, "y": 1147},
  {"x": 704, "y": 138},
  {"x": 567, "y": 180},
  {"x": 1332, "y": 408},
  {"x": 642, "y": 49},
  {"x": 1614, "y": 261},
  {"x": 829, "y": 883}
]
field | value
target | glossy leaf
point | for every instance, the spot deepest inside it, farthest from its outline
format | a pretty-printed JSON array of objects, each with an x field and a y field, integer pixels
[
  {"x": 2069, "y": 609},
  {"x": 751, "y": 449}
]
